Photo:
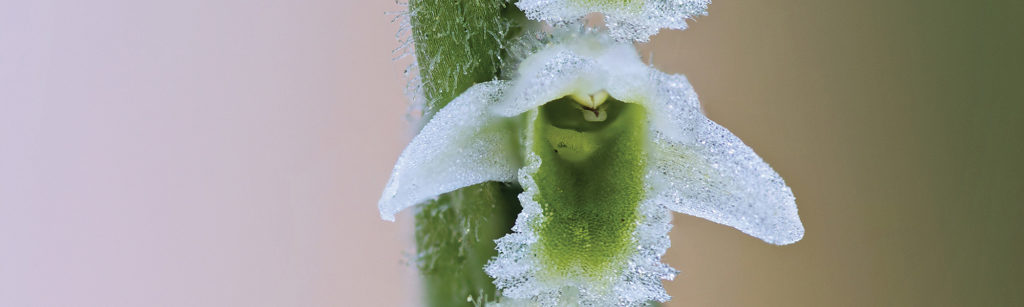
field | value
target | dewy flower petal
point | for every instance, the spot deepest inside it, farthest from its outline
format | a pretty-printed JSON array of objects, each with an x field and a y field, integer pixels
[
  {"x": 697, "y": 167},
  {"x": 604, "y": 147},
  {"x": 462, "y": 145},
  {"x": 701, "y": 169},
  {"x": 626, "y": 19}
]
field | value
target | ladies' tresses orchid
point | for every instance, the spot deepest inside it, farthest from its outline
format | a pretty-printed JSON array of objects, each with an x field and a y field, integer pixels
[
  {"x": 604, "y": 148},
  {"x": 626, "y": 19}
]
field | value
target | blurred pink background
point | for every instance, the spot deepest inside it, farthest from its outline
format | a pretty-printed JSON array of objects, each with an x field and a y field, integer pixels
[{"x": 199, "y": 153}]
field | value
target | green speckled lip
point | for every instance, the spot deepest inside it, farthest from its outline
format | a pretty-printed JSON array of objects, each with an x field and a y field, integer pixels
[{"x": 590, "y": 183}]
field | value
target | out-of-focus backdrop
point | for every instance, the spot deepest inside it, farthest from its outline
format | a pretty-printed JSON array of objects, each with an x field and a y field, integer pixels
[{"x": 230, "y": 153}]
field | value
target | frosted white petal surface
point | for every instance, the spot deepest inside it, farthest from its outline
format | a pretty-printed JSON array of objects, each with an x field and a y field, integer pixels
[
  {"x": 576, "y": 63},
  {"x": 462, "y": 145},
  {"x": 701, "y": 169},
  {"x": 626, "y": 20}
]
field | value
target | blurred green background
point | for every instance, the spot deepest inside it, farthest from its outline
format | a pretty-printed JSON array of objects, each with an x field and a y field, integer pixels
[{"x": 898, "y": 124}]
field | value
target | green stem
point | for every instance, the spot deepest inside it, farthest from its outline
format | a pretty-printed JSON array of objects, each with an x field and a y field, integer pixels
[
  {"x": 458, "y": 44},
  {"x": 455, "y": 238}
]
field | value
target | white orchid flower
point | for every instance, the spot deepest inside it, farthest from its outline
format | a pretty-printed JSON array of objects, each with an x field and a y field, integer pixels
[
  {"x": 626, "y": 19},
  {"x": 604, "y": 147}
]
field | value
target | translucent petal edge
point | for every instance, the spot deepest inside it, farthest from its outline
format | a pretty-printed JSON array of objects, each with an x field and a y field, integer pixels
[
  {"x": 702, "y": 169},
  {"x": 463, "y": 144}
]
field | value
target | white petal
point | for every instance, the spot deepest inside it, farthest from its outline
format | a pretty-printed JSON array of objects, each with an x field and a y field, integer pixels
[
  {"x": 583, "y": 65},
  {"x": 627, "y": 20},
  {"x": 462, "y": 145},
  {"x": 701, "y": 169}
]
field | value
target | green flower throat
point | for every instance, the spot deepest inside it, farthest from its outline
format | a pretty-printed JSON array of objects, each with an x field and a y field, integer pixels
[{"x": 590, "y": 184}]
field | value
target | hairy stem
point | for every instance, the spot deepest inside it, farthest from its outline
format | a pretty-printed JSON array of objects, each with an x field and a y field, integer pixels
[
  {"x": 459, "y": 43},
  {"x": 455, "y": 238}
]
